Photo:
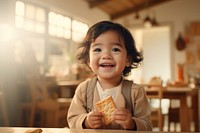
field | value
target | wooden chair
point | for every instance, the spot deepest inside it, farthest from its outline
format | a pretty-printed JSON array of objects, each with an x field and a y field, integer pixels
[
  {"x": 173, "y": 114},
  {"x": 155, "y": 94},
  {"x": 3, "y": 108},
  {"x": 174, "y": 117},
  {"x": 51, "y": 111}
]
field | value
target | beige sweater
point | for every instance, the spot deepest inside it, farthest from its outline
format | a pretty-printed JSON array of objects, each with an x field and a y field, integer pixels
[{"x": 142, "y": 112}]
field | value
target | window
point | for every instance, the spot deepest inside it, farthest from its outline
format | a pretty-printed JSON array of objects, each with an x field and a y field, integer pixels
[
  {"x": 65, "y": 27},
  {"x": 56, "y": 45},
  {"x": 33, "y": 18},
  {"x": 59, "y": 25},
  {"x": 29, "y": 17},
  {"x": 79, "y": 30}
]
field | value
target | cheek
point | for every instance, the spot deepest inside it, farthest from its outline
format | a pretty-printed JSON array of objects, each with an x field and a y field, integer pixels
[
  {"x": 123, "y": 59},
  {"x": 93, "y": 65},
  {"x": 91, "y": 60}
]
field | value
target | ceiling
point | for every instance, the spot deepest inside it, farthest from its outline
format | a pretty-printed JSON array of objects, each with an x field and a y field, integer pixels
[{"x": 120, "y": 8}]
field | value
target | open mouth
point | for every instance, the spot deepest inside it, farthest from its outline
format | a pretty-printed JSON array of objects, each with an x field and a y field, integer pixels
[{"x": 106, "y": 65}]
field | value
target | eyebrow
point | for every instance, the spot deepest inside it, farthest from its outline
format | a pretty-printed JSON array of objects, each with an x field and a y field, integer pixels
[{"x": 98, "y": 44}]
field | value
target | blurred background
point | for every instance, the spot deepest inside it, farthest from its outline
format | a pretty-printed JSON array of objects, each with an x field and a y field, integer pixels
[{"x": 40, "y": 37}]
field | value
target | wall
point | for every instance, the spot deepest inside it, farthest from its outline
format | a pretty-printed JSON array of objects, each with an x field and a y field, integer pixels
[
  {"x": 178, "y": 14},
  {"x": 76, "y": 9}
]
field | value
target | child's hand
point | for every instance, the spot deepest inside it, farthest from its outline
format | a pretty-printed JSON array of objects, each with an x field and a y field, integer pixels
[
  {"x": 123, "y": 117},
  {"x": 94, "y": 119}
]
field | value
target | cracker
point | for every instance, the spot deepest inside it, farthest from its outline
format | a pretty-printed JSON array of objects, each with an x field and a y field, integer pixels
[
  {"x": 37, "y": 130},
  {"x": 106, "y": 106}
]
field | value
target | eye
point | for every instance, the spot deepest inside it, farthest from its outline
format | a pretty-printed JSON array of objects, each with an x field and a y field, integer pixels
[
  {"x": 115, "y": 49},
  {"x": 97, "y": 50}
]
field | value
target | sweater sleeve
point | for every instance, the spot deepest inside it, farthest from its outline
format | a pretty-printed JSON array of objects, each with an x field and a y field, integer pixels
[
  {"x": 77, "y": 110},
  {"x": 142, "y": 109}
]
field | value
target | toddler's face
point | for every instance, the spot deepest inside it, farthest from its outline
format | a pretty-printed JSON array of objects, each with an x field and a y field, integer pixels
[{"x": 108, "y": 55}]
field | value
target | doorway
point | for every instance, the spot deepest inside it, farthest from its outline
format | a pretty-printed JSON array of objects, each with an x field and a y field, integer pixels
[{"x": 156, "y": 47}]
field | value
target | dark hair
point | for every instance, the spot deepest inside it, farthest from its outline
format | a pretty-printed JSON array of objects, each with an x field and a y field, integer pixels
[{"x": 102, "y": 27}]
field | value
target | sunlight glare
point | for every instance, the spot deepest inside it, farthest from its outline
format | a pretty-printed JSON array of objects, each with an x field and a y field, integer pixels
[
  {"x": 19, "y": 8},
  {"x": 6, "y": 32}
]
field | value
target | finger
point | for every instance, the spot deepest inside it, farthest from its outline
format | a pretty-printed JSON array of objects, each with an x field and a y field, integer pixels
[
  {"x": 122, "y": 116},
  {"x": 94, "y": 121},
  {"x": 95, "y": 124},
  {"x": 119, "y": 117},
  {"x": 122, "y": 113},
  {"x": 96, "y": 118},
  {"x": 123, "y": 110}
]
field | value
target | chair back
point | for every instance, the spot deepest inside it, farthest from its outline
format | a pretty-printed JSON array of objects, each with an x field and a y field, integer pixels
[
  {"x": 154, "y": 91},
  {"x": 155, "y": 85}
]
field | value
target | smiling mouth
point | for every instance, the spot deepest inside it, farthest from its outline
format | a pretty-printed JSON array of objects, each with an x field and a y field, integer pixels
[{"x": 106, "y": 65}]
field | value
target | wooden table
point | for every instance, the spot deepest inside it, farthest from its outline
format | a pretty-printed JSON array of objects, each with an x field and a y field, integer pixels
[
  {"x": 181, "y": 93},
  {"x": 61, "y": 130},
  {"x": 66, "y": 130}
]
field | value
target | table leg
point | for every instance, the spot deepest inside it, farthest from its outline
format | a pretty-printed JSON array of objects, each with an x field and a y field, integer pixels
[
  {"x": 184, "y": 116},
  {"x": 195, "y": 108}
]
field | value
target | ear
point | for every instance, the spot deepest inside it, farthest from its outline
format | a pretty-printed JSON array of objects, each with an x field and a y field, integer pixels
[{"x": 128, "y": 61}]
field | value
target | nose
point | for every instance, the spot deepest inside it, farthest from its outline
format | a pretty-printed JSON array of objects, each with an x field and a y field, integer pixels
[{"x": 106, "y": 55}]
